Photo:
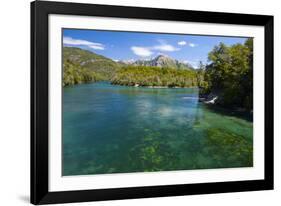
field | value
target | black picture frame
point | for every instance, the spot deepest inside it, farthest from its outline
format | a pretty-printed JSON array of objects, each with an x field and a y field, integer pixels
[{"x": 39, "y": 102}]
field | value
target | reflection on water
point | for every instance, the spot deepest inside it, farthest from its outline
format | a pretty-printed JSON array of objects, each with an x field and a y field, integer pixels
[{"x": 118, "y": 129}]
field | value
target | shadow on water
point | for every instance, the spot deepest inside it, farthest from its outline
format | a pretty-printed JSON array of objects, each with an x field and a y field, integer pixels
[{"x": 246, "y": 115}]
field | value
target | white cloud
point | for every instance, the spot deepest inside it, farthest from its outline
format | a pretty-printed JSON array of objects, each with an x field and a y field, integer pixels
[
  {"x": 165, "y": 47},
  {"x": 182, "y": 43},
  {"x": 97, "y": 47},
  {"x": 192, "y": 45},
  {"x": 148, "y": 51},
  {"x": 80, "y": 42},
  {"x": 142, "y": 51}
]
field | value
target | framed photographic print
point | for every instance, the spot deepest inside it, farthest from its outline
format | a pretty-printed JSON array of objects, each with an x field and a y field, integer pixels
[{"x": 131, "y": 102}]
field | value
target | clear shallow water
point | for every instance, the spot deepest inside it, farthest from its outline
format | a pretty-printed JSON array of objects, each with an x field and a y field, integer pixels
[{"x": 119, "y": 129}]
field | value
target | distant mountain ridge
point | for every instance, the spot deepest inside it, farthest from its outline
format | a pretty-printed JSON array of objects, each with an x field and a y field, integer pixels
[
  {"x": 81, "y": 66},
  {"x": 104, "y": 65},
  {"x": 160, "y": 61}
]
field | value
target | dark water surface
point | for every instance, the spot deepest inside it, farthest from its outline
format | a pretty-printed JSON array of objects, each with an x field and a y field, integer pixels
[{"x": 119, "y": 129}]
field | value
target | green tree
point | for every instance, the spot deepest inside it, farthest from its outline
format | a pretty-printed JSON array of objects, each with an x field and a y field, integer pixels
[
  {"x": 155, "y": 76},
  {"x": 200, "y": 74},
  {"x": 75, "y": 74},
  {"x": 229, "y": 74}
]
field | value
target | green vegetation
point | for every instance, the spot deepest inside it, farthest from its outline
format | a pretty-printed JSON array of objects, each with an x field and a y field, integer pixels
[
  {"x": 230, "y": 75},
  {"x": 155, "y": 76},
  {"x": 103, "y": 67},
  {"x": 81, "y": 66},
  {"x": 75, "y": 74},
  {"x": 200, "y": 75},
  {"x": 153, "y": 153},
  {"x": 235, "y": 148}
]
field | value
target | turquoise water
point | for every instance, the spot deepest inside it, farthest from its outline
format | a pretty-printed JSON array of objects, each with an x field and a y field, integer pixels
[{"x": 119, "y": 129}]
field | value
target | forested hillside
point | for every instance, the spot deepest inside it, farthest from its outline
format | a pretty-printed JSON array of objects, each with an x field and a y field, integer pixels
[
  {"x": 81, "y": 66},
  {"x": 104, "y": 67},
  {"x": 75, "y": 74},
  {"x": 155, "y": 76}
]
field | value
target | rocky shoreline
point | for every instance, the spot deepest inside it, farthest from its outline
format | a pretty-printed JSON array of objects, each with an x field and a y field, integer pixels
[
  {"x": 209, "y": 98},
  {"x": 213, "y": 100},
  {"x": 155, "y": 87}
]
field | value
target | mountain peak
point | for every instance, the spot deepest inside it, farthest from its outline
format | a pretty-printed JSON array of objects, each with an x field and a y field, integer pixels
[
  {"x": 165, "y": 56},
  {"x": 162, "y": 60},
  {"x": 90, "y": 59}
]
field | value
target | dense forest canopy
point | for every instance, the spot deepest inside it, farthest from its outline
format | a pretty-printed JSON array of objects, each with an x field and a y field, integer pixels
[
  {"x": 155, "y": 76},
  {"x": 230, "y": 75},
  {"x": 75, "y": 74}
]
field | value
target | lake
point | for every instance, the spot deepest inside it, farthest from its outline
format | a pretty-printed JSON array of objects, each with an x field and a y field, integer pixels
[{"x": 119, "y": 129}]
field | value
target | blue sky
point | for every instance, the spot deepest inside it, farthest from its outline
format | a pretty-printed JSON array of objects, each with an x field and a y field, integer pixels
[{"x": 138, "y": 45}]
